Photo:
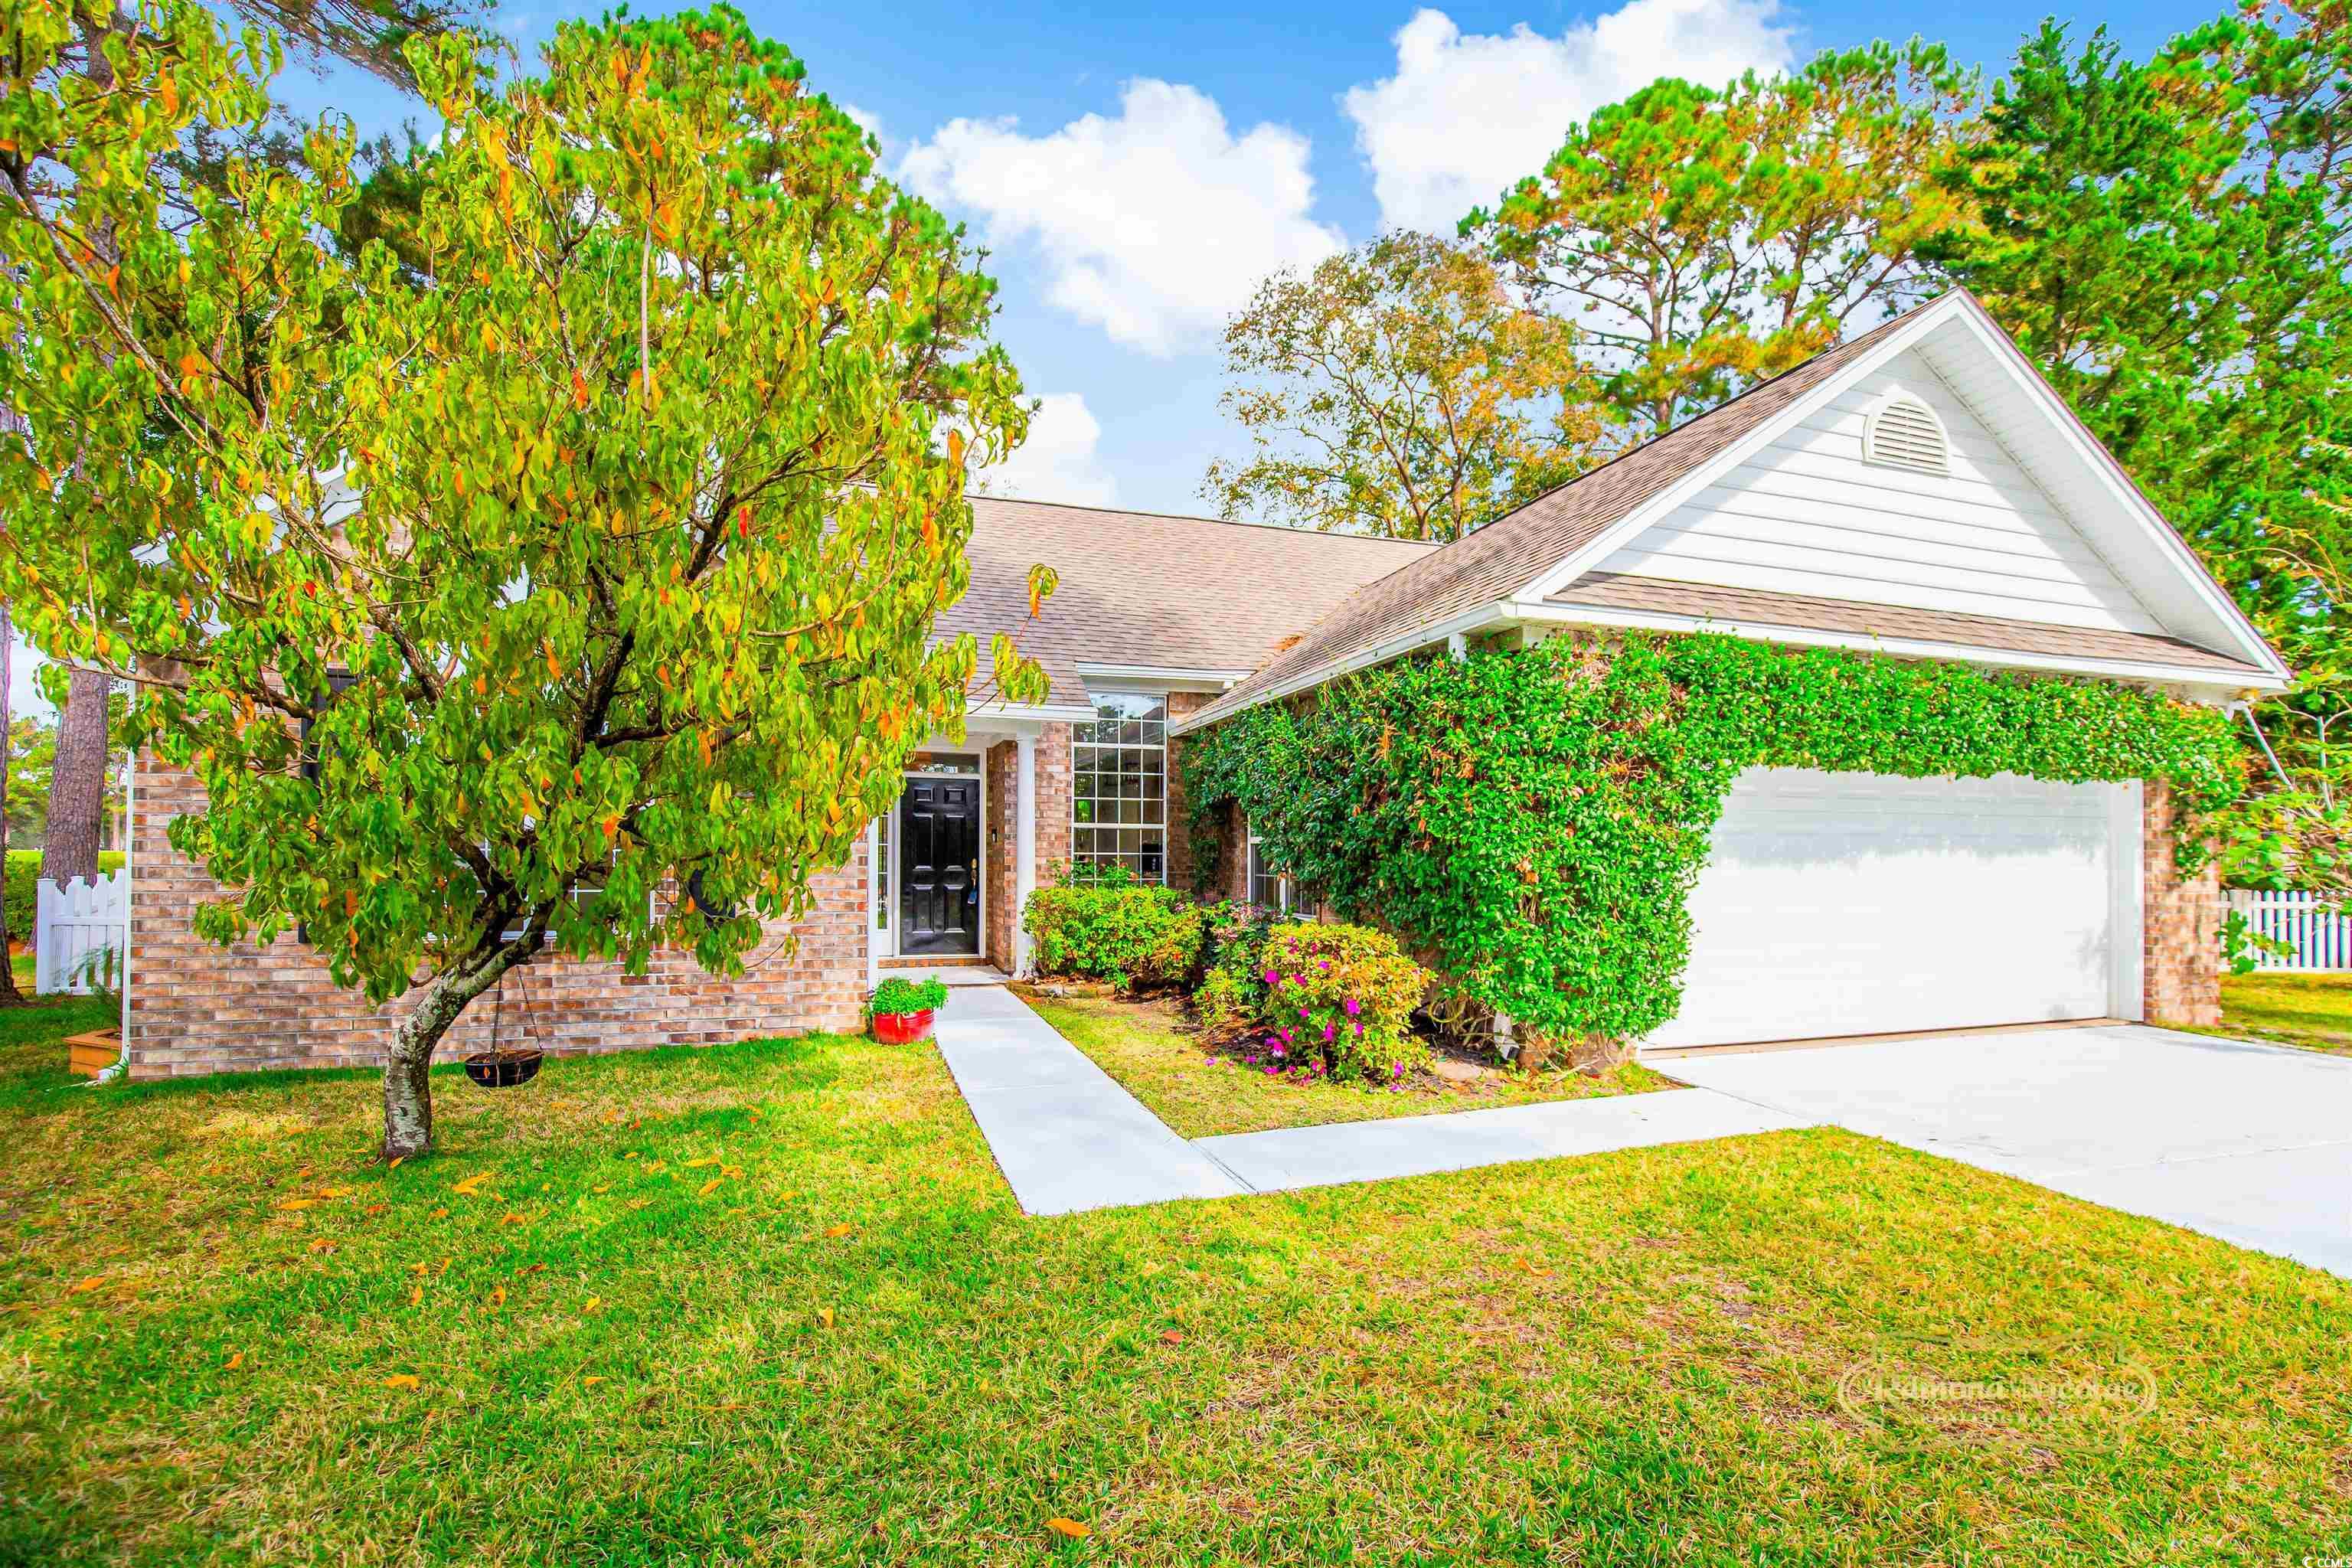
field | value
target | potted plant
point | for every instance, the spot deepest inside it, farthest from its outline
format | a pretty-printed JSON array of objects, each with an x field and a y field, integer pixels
[{"x": 902, "y": 1008}]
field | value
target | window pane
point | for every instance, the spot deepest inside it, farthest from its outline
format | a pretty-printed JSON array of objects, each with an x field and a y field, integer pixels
[{"x": 1119, "y": 807}]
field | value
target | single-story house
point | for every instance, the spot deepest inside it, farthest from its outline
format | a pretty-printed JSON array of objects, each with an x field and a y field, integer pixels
[{"x": 1920, "y": 491}]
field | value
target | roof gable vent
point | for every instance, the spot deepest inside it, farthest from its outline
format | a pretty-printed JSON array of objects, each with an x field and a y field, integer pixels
[{"x": 1905, "y": 433}]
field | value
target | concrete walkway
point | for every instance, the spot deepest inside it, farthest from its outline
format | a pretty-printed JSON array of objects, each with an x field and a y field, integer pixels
[
  {"x": 1068, "y": 1137},
  {"x": 2249, "y": 1143},
  {"x": 1465, "y": 1140}
]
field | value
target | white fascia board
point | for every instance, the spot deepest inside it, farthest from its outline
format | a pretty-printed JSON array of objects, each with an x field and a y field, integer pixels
[
  {"x": 1529, "y": 599},
  {"x": 1469, "y": 621},
  {"x": 1032, "y": 713},
  {"x": 2210, "y": 683},
  {"x": 2116, "y": 486},
  {"x": 1157, "y": 676}
]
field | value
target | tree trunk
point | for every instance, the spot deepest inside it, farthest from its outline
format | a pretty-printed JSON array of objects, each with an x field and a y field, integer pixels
[
  {"x": 78, "y": 780},
  {"x": 407, "y": 1084}
]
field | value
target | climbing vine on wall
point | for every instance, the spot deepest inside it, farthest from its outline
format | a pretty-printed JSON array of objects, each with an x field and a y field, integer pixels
[{"x": 1533, "y": 819}]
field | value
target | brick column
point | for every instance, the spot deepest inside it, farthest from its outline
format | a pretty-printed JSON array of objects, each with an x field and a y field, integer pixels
[
  {"x": 1054, "y": 779},
  {"x": 2182, "y": 924},
  {"x": 1180, "y": 865},
  {"x": 1004, "y": 808}
]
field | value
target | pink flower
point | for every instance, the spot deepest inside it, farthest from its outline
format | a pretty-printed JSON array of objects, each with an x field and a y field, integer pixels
[
  {"x": 1329, "y": 1030},
  {"x": 1302, "y": 1012},
  {"x": 1271, "y": 978},
  {"x": 1351, "y": 1007},
  {"x": 1271, "y": 1071},
  {"x": 1278, "y": 1052}
]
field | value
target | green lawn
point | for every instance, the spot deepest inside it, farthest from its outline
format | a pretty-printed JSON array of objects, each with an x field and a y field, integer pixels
[
  {"x": 1202, "y": 1089},
  {"x": 771, "y": 1303},
  {"x": 2313, "y": 1010}
]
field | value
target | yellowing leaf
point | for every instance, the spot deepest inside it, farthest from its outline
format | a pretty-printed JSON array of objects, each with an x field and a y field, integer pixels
[
  {"x": 704, "y": 1191},
  {"x": 1070, "y": 1527},
  {"x": 592, "y": 1303},
  {"x": 605, "y": 1188},
  {"x": 416, "y": 1294},
  {"x": 416, "y": 1267},
  {"x": 298, "y": 1203},
  {"x": 322, "y": 1244},
  {"x": 706, "y": 1160},
  {"x": 839, "y": 1230},
  {"x": 824, "y": 1316},
  {"x": 471, "y": 1187},
  {"x": 92, "y": 1283},
  {"x": 497, "y": 1295},
  {"x": 402, "y": 1380},
  {"x": 397, "y": 1159},
  {"x": 234, "y": 1361},
  {"x": 442, "y": 1213},
  {"x": 591, "y": 1381}
]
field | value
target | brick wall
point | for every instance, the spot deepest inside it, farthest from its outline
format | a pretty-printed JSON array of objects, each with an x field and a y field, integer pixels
[
  {"x": 1003, "y": 768},
  {"x": 1054, "y": 776},
  {"x": 1180, "y": 865},
  {"x": 197, "y": 1008},
  {"x": 2181, "y": 925}
]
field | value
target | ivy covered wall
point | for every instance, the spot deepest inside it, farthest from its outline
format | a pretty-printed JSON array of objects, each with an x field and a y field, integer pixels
[{"x": 1533, "y": 819}]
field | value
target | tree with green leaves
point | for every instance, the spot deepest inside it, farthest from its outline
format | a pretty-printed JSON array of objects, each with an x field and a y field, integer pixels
[
  {"x": 2169, "y": 241},
  {"x": 1704, "y": 239},
  {"x": 491, "y": 607},
  {"x": 1398, "y": 390}
]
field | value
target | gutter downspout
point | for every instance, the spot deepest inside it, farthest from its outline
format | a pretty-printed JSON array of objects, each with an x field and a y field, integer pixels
[
  {"x": 2255, "y": 725},
  {"x": 121, "y": 1067}
]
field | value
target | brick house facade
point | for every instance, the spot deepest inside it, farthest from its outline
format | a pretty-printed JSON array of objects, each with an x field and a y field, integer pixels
[{"x": 1994, "y": 533}]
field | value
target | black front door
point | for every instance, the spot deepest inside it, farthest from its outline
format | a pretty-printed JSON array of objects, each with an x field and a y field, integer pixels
[{"x": 938, "y": 866}]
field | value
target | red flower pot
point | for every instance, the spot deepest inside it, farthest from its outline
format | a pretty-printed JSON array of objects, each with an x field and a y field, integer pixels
[{"x": 902, "y": 1029}]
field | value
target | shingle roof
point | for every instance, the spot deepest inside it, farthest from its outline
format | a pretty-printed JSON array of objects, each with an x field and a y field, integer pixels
[
  {"x": 1512, "y": 551},
  {"x": 1149, "y": 589},
  {"x": 1755, "y": 606}
]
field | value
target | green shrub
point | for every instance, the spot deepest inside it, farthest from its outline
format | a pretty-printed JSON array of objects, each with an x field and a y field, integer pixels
[
  {"x": 1139, "y": 936},
  {"x": 1344, "y": 996},
  {"x": 898, "y": 995},
  {"x": 1232, "y": 991},
  {"x": 23, "y": 877}
]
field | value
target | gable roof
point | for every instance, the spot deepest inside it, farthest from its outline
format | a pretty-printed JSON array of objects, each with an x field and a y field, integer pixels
[
  {"x": 1146, "y": 588},
  {"x": 1536, "y": 557}
]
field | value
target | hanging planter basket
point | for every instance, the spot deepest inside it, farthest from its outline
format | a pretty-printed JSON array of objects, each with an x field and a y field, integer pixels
[{"x": 504, "y": 1070}]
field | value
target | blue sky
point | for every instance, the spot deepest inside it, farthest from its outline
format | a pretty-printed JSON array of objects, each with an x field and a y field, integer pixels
[{"x": 1134, "y": 169}]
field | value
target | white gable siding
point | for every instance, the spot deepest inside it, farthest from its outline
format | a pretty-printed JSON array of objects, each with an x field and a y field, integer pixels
[{"x": 1807, "y": 515}]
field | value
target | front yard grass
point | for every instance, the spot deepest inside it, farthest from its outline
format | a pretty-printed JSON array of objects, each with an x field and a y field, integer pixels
[
  {"x": 2313, "y": 1010},
  {"x": 771, "y": 1303},
  {"x": 1202, "y": 1090}
]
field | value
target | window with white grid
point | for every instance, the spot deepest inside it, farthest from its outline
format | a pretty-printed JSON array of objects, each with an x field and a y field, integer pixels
[{"x": 1119, "y": 791}]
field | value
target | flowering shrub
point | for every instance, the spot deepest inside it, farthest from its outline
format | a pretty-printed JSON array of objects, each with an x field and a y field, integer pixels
[
  {"x": 1139, "y": 936},
  {"x": 1230, "y": 992},
  {"x": 1337, "y": 1002}
]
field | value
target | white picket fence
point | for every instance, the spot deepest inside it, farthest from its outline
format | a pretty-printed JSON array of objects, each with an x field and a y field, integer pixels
[
  {"x": 2319, "y": 940},
  {"x": 80, "y": 933}
]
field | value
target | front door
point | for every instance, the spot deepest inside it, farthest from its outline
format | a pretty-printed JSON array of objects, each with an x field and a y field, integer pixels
[{"x": 939, "y": 865}]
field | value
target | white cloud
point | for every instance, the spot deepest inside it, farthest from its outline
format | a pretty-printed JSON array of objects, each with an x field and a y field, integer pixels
[
  {"x": 1154, "y": 225},
  {"x": 1467, "y": 115},
  {"x": 1058, "y": 462}
]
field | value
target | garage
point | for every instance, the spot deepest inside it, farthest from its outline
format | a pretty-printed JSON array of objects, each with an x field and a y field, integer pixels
[{"x": 1858, "y": 903}]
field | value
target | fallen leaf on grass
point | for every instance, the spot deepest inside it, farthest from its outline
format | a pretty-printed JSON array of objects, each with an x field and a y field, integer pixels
[
  {"x": 234, "y": 1361},
  {"x": 532, "y": 1268},
  {"x": 514, "y": 1219},
  {"x": 442, "y": 1213},
  {"x": 605, "y": 1188},
  {"x": 1070, "y": 1527},
  {"x": 326, "y": 1192},
  {"x": 92, "y": 1283},
  {"x": 824, "y": 1316},
  {"x": 472, "y": 1185},
  {"x": 376, "y": 1208},
  {"x": 839, "y": 1230},
  {"x": 417, "y": 1267},
  {"x": 1169, "y": 1336},
  {"x": 497, "y": 1295},
  {"x": 298, "y": 1203},
  {"x": 1532, "y": 1268},
  {"x": 402, "y": 1380},
  {"x": 591, "y": 1382},
  {"x": 704, "y": 1191},
  {"x": 394, "y": 1162},
  {"x": 592, "y": 1303},
  {"x": 735, "y": 1171},
  {"x": 698, "y": 1164},
  {"x": 322, "y": 1244},
  {"x": 630, "y": 1155},
  {"x": 416, "y": 1296}
]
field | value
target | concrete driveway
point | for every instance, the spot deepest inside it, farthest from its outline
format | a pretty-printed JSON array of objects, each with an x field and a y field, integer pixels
[{"x": 2249, "y": 1143}]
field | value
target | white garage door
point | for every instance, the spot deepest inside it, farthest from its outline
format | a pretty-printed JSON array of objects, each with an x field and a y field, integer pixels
[{"x": 1857, "y": 904}]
